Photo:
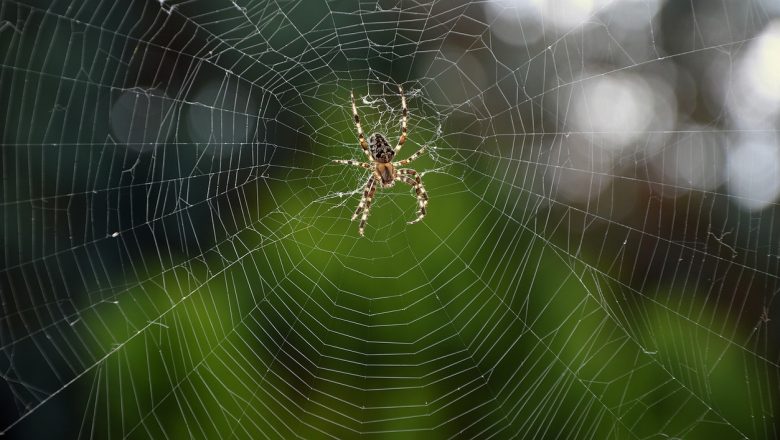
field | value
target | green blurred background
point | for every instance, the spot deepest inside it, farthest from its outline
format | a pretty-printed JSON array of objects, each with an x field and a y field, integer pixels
[{"x": 178, "y": 260}]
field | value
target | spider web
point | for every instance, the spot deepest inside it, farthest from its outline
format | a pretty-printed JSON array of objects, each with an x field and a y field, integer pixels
[{"x": 600, "y": 258}]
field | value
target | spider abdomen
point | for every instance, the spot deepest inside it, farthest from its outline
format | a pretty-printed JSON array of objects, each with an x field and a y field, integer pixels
[{"x": 380, "y": 149}]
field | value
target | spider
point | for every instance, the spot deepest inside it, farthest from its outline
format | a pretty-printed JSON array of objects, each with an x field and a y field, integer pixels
[{"x": 383, "y": 169}]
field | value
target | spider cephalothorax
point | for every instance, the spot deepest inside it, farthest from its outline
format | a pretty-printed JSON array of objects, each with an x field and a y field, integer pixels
[{"x": 383, "y": 169}]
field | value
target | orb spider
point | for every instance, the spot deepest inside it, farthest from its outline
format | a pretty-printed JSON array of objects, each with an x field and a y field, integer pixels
[{"x": 383, "y": 169}]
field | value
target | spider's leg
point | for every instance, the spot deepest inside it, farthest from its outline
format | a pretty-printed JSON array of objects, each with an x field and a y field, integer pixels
[
  {"x": 418, "y": 186},
  {"x": 366, "y": 190},
  {"x": 404, "y": 112},
  {"x": 411, "y": 158},
  {"x": 368, "y": 198},
  {"x": 357, "y": 163},
  {"x": 361, "y": 136},
  {"x": 419, "y": 189}
]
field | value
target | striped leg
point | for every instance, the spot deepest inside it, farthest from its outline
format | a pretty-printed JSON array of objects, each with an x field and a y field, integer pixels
[
  {"x": 405, "y": 112},
  {"x": 366, "y": 190},
  {"x": 422, "y": 196},
  {"x": 354, "y": 162},
  {"x": 369, "y": 198},
  {"x": 411, "y": 158},
  {"x": 361, "y": 136}
]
